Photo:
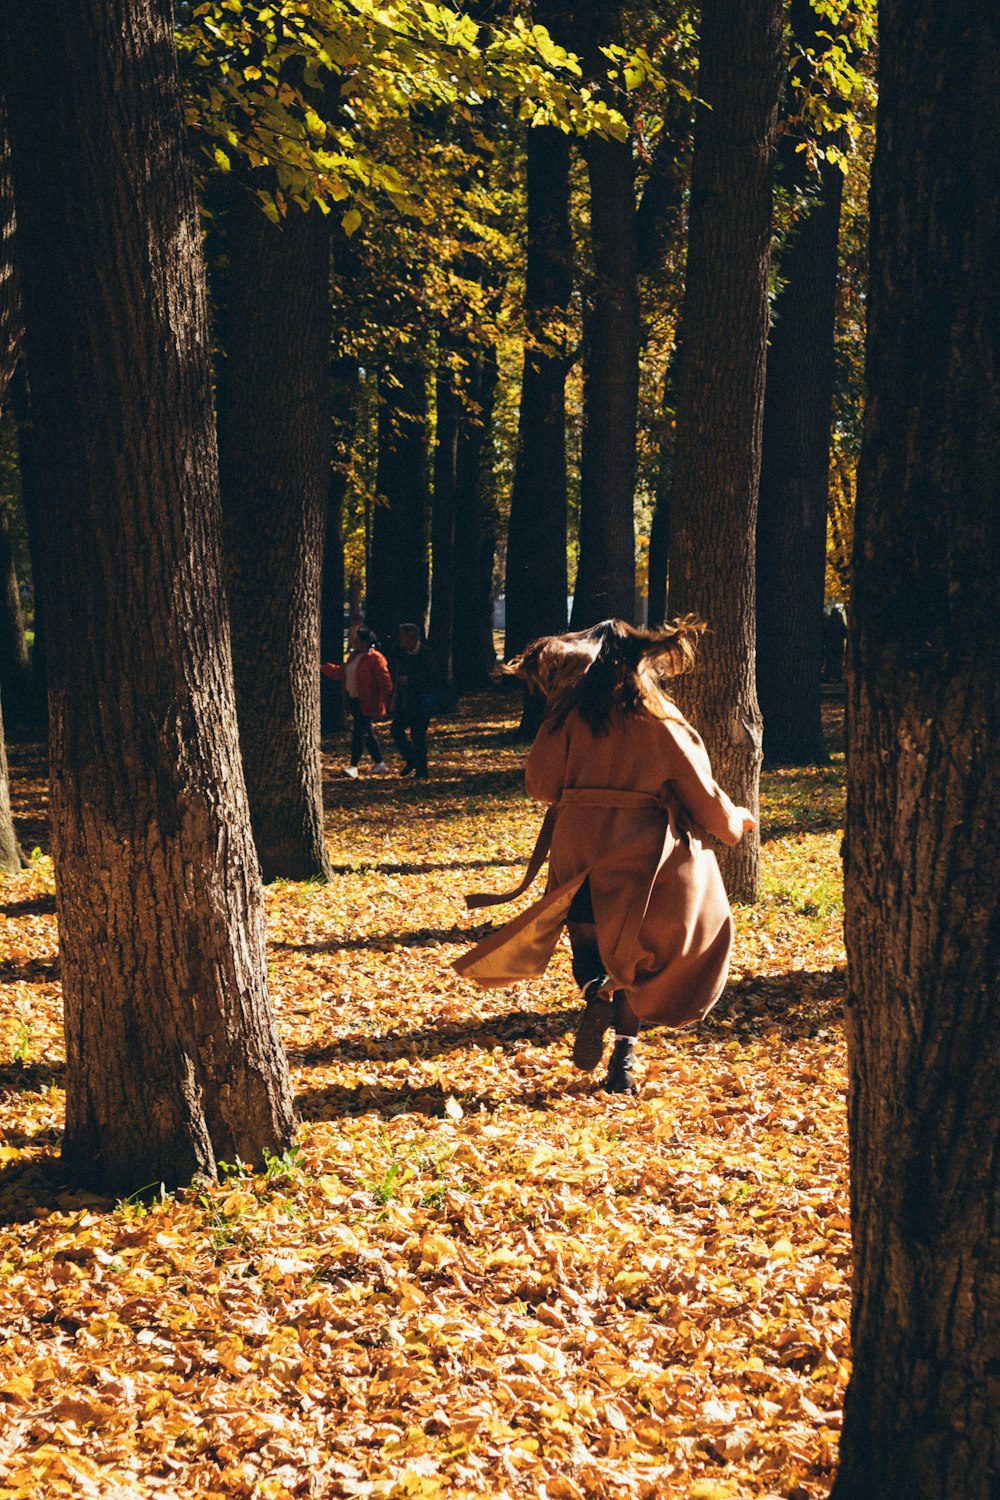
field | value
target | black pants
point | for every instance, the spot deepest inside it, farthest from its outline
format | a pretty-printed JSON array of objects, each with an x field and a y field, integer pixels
[
  {"x": 363, "y": 735},
  {"x": 409, "y": 730},
  {"x": 587, "y": 961}
]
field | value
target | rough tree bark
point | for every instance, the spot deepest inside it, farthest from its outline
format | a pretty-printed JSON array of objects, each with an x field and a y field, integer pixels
[
  {"x": 274, "y": 449},
  {"x": 397, "y": 582},
  {"x": 795, "y": 454},
  {"x": 605, "y": 580},
  {"x": 173, "y": 1056},
  {"x": 922, "y": 1416},
  {"x": 721, "y": 398},
  {"x": 536, "y": 586}
]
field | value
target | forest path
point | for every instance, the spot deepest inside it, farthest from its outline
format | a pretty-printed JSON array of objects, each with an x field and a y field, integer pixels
[{"x": 477, "y": 1274}]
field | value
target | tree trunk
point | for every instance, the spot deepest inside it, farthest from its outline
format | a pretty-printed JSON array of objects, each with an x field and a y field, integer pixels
[
  {"x": 173, "y": 1055},
  {"x": 397, "y": 585},
  {"x": 11, "y": 858},
  {"x": 795, "y": 459},
  {"x": 345, "y": 380},
  {"x": 10, "y": 299},
  {"x": 922, "y": 1417},
  {"x": 274, "y": 440},
  {"x": 37, "y": 699},
  {"x": 14, "y": 666},
  {"x": 717, "y": 452},
  {"x": 475, "y": 535},
  {"x": 536, "y": 587},
  {"x": 448, "y": 400},
  {"x": 605, "y": 580}
]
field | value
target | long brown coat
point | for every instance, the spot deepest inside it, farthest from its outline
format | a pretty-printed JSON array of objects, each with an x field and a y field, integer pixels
[{"x": 628, "y": 808}]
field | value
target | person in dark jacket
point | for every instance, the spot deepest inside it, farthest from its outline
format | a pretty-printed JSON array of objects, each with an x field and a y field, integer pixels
[
  {"x": 368, "y": 687},
  {"x": 414, "y": 701}
]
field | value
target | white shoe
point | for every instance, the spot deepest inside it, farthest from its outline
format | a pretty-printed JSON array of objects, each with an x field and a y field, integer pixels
[
  {"x": 352, "y": 772},
  {"x": 381, "y": 768}
]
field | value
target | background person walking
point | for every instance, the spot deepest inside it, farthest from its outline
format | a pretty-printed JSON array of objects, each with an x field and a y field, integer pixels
[
  {"x": 368, "y": 687},
  {"x": 415, "y": 672}
]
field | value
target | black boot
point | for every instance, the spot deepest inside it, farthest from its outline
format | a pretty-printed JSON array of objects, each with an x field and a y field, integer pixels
[
  {"x": 620, "y": 1079},
  {"x": 597, "y": 1018}
]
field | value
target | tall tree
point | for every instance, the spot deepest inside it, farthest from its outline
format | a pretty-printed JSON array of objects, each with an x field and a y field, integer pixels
[
  {"x": 535, "y": 585},
  {"x": 397, "y": 581},
  {"x": 721, "y": 398},
  {"x": 10, "y": 338},
  {"x": 795, "y": 458},
  {"x": 173, "y": 1056},
  {"x": 475, "y": 534},
  {"x": 14, "y": 665},
  {"x": 605, "y": 582},
  {"x": 11, "y": 857},
  {"x": 448, "y": 422},
  {"x": 344, "y": 378},
  {"x": 923, "y": 822},
  {"x": 274, "y": 440},
  {"x": 20, "y": 406},
  {"x": 10, "y": 300}
]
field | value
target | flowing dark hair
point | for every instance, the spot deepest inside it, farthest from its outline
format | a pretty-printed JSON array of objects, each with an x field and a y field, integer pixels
[
  {"x": 365, "y": 637},
  {"x": 611, "y": 668}
]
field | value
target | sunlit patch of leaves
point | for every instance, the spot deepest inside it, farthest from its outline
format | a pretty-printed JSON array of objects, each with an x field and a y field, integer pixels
[{"x": 474, "y": 1274}]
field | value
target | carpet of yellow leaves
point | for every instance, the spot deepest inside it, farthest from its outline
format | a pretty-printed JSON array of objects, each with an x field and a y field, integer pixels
[{"x": 476, "y": 1274}]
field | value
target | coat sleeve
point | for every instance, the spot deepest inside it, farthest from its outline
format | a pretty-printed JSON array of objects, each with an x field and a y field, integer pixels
[
  {"x": 690, "y": 772},
  {"x": 383, "y": 678},
  {"x": 545, "y": 768},
  {"x": 333, "y": 670}
]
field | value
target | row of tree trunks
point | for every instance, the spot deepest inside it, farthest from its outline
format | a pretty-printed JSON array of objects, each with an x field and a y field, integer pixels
[
  {"x": 922, "y": 1415},
  {"x": 717, "y": 454},
  {"x": 274, "y": 437},
  {"x": 173, "y": 1056},
  {"x": 795, "y": 463}
]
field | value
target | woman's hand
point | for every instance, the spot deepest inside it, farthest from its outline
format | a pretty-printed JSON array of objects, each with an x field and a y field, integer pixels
[{"x": 747, "y": 818}]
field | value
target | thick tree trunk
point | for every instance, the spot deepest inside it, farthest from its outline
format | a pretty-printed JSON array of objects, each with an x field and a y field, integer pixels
[
  {"x": 397, "y": 583},
  {"x": 448, "y": 401},
  {"x": 11, "y": 858},
  {"x": 473, "y": 655},
  {"x": 345, "y": 377},
  {"x": 605, "y": 580},
  {"x": 274, "y": 435},
  {"x": 173, "y": 1056},
  {"x": 536, "y": 586},
  {"x": 795, "y": 459},
  {"x": 717, "y": 452},
  {"x": 922, "y": 1417}
]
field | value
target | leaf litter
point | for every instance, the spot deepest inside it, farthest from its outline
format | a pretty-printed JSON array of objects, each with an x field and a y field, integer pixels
[{"x": 475, "y": 1274}]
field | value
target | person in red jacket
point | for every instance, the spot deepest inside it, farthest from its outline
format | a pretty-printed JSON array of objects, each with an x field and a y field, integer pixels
[{"x": 368, "y": 687}]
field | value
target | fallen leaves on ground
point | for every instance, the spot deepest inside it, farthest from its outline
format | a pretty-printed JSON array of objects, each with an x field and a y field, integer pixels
[{"x": 476, "y": 1274}]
